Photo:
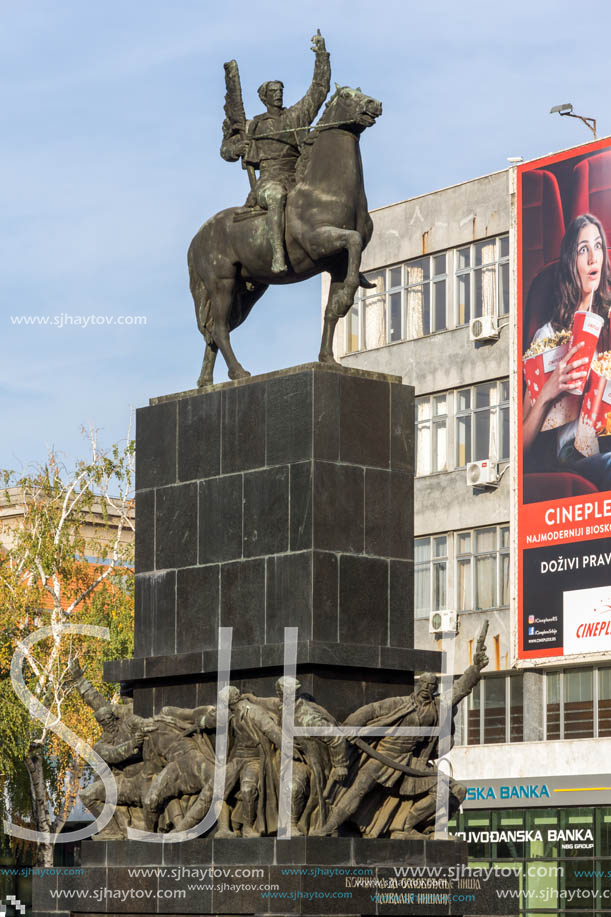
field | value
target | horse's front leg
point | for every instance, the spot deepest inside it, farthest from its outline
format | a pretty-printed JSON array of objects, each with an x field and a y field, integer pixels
[
  {"x": 331, "y": 240},
  {"x": 222, "y": 298}
]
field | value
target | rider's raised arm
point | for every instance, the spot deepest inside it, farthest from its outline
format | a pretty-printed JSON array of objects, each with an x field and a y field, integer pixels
[{"x": 307, "y": 108}]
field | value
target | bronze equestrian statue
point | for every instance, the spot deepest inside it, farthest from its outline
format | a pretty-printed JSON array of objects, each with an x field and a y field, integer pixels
[{"x": 306, "y": 212}]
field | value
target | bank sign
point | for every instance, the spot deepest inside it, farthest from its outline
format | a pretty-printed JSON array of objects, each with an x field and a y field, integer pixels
[
  {"x": 528, "y": 792},
  {"x": 564, "y": 404}
]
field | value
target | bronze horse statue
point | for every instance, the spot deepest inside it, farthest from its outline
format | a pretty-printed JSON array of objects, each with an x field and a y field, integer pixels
[{"x": 327, "y": 228}]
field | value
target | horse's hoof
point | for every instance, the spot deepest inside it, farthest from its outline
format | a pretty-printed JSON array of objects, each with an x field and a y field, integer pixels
[
  {"x": 366, "y": 284},
  {"x": 204, "y": 381},
  {"x": 327, "y": 358},
  {"x": 239, "y": 373}
]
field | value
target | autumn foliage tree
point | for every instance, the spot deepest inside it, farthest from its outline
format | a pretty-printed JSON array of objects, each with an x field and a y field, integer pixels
[{"x": 66, "y": 556}]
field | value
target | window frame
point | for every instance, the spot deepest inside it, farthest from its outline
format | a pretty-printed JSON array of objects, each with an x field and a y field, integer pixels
[
  {"x": 506, "y": 677},
  {"x": 497, "y": 411},
  {"x": 432, "y": 561},
  {"x": 595, "y": 671},
  {"x": 500, "y": 261},
  {"x": 498, "y": 553},
  {"x": 434, "y": 420}
]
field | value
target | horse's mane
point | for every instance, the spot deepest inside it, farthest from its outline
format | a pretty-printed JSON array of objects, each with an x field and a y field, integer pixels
[{"x": 306, "y": 147}]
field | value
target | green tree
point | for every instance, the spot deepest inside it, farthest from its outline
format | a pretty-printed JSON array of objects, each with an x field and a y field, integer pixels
[{"x": 66, "y": 556}]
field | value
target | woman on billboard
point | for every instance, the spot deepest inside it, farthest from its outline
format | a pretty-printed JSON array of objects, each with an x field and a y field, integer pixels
[{"x": 584, "y": 286}]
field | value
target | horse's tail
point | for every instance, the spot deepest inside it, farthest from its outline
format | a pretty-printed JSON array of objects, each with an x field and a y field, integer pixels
[{"x": 201, "y": 300}]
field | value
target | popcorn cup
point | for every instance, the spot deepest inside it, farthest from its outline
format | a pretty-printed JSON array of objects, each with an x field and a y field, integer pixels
[
  {"x": 596, "y": 404},
  {"x": 586, "y": 331},
  {"x": 538, "y": 369},
  {"x": 564, "y": 410}
]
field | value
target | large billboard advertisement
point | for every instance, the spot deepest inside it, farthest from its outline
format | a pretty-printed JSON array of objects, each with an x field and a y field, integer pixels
[{"x": 564, "y": 411}]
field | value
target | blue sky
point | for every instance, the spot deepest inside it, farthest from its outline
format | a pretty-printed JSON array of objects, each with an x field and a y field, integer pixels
[{"x": 111, "y": 122}]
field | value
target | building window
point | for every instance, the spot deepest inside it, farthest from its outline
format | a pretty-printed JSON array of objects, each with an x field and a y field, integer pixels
[
  {"x": 408, "y": 301},
  {"x": 578, "y": 703},
  {"x": 482, "y": 279},
  {"x": 425, "y": 296},
  {"x": 431, "y": 434},
  {"x": 430, "y": 575},
  {"x": 482, "y": 568},
  {"x": 494, "y": 711},
  {"x": 482, "y": 423}
]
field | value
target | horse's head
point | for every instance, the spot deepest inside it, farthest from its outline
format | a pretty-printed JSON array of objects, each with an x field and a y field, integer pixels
[{"x": 350, "y": 108}]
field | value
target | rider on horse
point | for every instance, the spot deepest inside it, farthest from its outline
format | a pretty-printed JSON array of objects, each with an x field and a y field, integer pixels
[{"x": 271, "y": 143}]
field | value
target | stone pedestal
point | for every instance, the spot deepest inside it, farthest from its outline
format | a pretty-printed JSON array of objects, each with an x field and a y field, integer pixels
[{"x": 283, "y": 500}]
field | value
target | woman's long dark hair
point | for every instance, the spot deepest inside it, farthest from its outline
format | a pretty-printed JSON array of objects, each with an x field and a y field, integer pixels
[{"x": 569, "y": 291}]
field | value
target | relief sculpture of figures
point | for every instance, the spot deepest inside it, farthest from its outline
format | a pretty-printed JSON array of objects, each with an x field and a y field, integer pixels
[
  {"x": 306, "y": 211},
  {"x": 386, "y": 786}
]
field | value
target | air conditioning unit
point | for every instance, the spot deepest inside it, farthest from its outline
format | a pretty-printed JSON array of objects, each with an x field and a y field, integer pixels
[
  {"x": 484, "y": 328},
  {"x": 482, "y": 474},
  {"x": 441, "y": 622}
]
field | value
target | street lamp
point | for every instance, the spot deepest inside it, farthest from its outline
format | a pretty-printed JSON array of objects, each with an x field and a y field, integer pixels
[{"x": 567, "y": 110}]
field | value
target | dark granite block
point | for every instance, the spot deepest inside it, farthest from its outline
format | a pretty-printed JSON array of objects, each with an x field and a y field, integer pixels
[
  {"x": 445, "y": 853},
  {"x": 140, "y": 853},
  {"x": 289, "y": 419},
  {"x": 180, "y": 695},
  {"x": 338, "y": 507},
  {"x": 94, "y": 879},
  {"x": 291, "y": 886},
  {"x": 248, "y": 850},
  {"x": 242, "y": 657},
  {"x": 290, "y": 852},
  {"x": 389, "y": 513},
  {"x": 156, "y": 445},
  {"x": 197, "y": 852},
  {"x": 199, "y": 436},
  {"x": 155, "y": 613},
  {"x": 301, "y": 506},
  {"x": 363, "y": 600},
  {"x": 364, "y": 421},
  {"x": 235, "y": 900},
  {"x": 402, "y": 429},
  {"x": 197, "y": 608},
  {"x": 327, "y": 894},
  {"x": 173, "y": 666},
  {"x": 325, "y": 597},
  {"x": 329, "y": 851},
  {"x": 176, "y": 528},
  {"x": 401, "y": 603},
  {"x": 42, "y": 886},
  {"x": 385, "y": 851},
  {"x": 220, "y": 519},
  {"x": 120, "y": 881},
  {"x": 326, "y": 416},
  {"x": 145, "y": 531},
  {"x": 243, "y": 600},
  {"x": 243, "y": 427},
  {"x": 288, "y": 596},
  {"x": 197, "y": 900},
  {"x": 144, "y": 701},
  {"x": 266, "y": 511},
  {"x": 93, "y": 853}
]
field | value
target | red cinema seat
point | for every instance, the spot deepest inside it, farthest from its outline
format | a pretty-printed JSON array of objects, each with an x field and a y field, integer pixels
[
  {"x": 554, "y": 485},
  {"x": 542, "y": 223},
  {"x": 592, "y": 189}
]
